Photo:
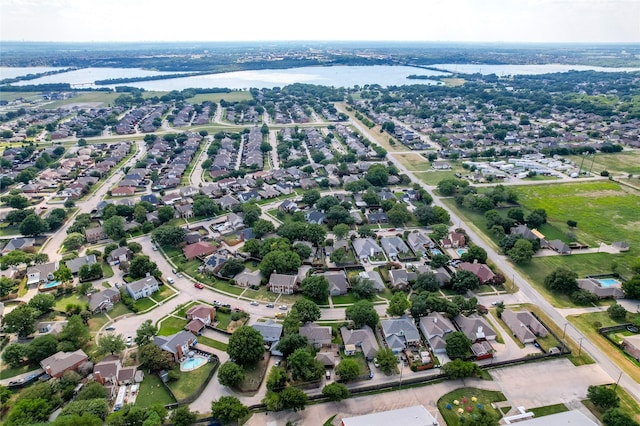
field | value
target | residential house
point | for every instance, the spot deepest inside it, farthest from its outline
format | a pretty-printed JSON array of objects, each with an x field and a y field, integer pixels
[
  {"x": 394, "y": 247},
  {"x": 93, "y": 235},
  {"x": 234, "y": 221},
  {"x": 227, "y": 202},
  {"x": 60, "y": 362},
  {"x": 270, "y": 331},
  {"x": 316, "y": 335},
  {"x": 363, "y": 338},
  {"x": 20, "y": 243},
  {"x": 631, "y": 345},
  {"x": 199, "y": 316},
  {"x": 523, "y": 325},
  {"x": 377, "y": 217},
  {"x": 435, "y": 328},
  {"x": 123, "y": 191},
  {"x": 41, "y": 272},
  {"x": 177, "y": 344},
  {"x": 150, "y": 198},
  {"x": 285, "y": 284},
  {"x": 620, "y": 245},
  {"x": 75, "y": 264},
  {"x": 400, "y": 278},
  {"x": 367, "y": 248},
  {"x": 524, "y": 231},
  {"x": 454, "y": 240},
  {"x": 199, "y": 250},
  {"x": 400, "y": 333},
  {"x": 184, "y": 211},
  {"x": 188, "y": 191},
  {"x": 419, "y": 242},
  {"x": 559, "y": 247},
  {"x": 110, "y": 372},
  {"x": 143, "y": 287},
  {"x": 480, "y": 270},
  {"x": 337, "y": 282},
  {"x": 475, "y": 327},
  {"x": 593, "y": 286},
  {"x": 288, "y": 206},
  {"x": 103, "y": 300},
  {"x": 214, "y": 262},
  {"x": 119, "y": 255},
  {"x": 315, "y": 217},
  {"x": 375, "y": 278},
  {"x": 248, "y": 279}
]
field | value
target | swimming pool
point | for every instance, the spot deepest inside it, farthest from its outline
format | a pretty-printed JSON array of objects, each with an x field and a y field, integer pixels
[
  {"x": 461, "y": 251},
  {"x": 49, "y": 286},
  {"x": 192, "y": 363},
  {"x": 608, "y": 282},
  {"x": 435, "y": 251}
]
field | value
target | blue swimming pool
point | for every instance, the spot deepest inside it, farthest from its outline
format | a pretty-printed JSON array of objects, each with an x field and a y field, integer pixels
[
  {"x": 608, "y": 282},
  {"x": 435, "y": 251},
  {"x": 461, "y": 251},
  {"x": 50, "y": 285},
  {"x": 192, "y": 363}
]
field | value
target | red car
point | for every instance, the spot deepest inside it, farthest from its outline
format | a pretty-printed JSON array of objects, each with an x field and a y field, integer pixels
[{"x": 198, "y": 285}]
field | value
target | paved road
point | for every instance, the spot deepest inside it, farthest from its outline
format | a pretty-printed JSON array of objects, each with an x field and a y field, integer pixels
[
  {"x": 196, "y": 177},
  {"x": 273, "y": 140},
  {"x": 529, "y": 293}
]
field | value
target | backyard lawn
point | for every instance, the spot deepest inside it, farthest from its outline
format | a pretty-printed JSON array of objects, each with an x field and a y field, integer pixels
[
  {"x": 7, "y": 372},
  {"x": 165, "y": 292},
  {"x": 144, "y": 304},
  {"x": 190, "y": 381},
  {"x": 345, "y": 299},
  {"x": 171, "y": 325},
  {"x": 449, "y": 410},
  {"x": 71, "y": 299},
  {"x": 212, "y": 343},
  {"x": 253, "y": 376},
  {"x": 152, "y": 391},
  {"x": 97, "y": 321}
]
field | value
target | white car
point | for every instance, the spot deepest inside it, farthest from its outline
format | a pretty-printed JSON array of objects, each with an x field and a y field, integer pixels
[
  {"x": 129, "y": 341},
  {"x": 283, "y": 307},
  {"x": 254, "y": 303}
]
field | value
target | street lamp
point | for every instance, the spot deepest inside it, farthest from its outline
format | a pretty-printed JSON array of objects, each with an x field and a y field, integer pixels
[
  {"x": 618, "y": 381},
  {"x": 580, "y": 347},
  {"x": 564, "y": 330}
]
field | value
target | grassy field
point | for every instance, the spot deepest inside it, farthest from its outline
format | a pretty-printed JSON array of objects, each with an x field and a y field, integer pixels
[
  {"x": 144, "y": 303},
  {"x": 345, "y": 299},
  {"x": 171, "y": 325},
  {"x": 71, "y": 299},
  {"x": 586, "y": 323},
  {"x": 152, "y": 392},
  {"x": 263, "y": 294},
  {"x": 7, "y": 372},
  {"x": 548, "y": 410},
  {"x": 621, "y": 162},
  {"x": 414, "y": 162},
  {"x": 433, "y": 177},
  {"x": 234, "y": 96},
  {"x": 484, "y": 397},
  {"x": 103, "y": 98},
  {"x": 190, "y": 381},
  {"x": 165, "y": 292},
  {"x": 212, "y": 343}
]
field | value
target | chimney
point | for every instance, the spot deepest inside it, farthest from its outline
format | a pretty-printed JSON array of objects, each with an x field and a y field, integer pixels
[
  {"x": 435, "y": 320},
  {"x": 475, "y": 261},
  {"x": 148, "y": 274}
]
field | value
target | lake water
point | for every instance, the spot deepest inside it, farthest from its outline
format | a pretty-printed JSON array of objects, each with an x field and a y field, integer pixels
[
  {"x": 13, "y": 72},
  {"x": 345, "y": 76},
  {"x": 501, "y": 70}
]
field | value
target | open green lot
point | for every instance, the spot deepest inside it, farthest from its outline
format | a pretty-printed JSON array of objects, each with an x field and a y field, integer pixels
[
  {"x": 589, "y": 323},
  {"x": 414, "y": 162},
  {"x": 171, "y": 325},
  {"x": 621, "y": 162},
  {"x": 71, "y": 299},
  {"x": 484, "y": 397},
  {"x": 152, "y": 391},
  {"x": 190, "y": 381},
  {"x": 165, "y": 292},
  {"x": 433, "y": 177},
  {"x": 234, "y": 96}
]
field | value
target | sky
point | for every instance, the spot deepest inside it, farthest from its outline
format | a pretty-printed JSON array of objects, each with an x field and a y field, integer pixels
[{"x": 586, "y": 21}]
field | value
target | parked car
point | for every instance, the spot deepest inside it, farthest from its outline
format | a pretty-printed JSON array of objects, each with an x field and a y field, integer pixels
[
  {"x": 270, "y": 305},
  {"x": 278, "y": 362},
  {"x": 283, "y": 307},
  {"x": 179, "y": 275},
  {"x": 280, "y": 315},
  {"x": 327, "y": 374},
  {"x": 198, "y": 285},
  {"x": 129, "y": 340},
  {"x": 255, "y": 303},
  {"x": 110, "y": 328},
  {"x": 154, "y": 248}
]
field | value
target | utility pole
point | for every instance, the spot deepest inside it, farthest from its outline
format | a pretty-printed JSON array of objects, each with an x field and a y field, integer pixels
[{"x": 593, "y": 158}]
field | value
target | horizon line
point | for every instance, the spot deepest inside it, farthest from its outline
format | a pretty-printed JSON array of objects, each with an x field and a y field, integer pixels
[{"x": 328, "y": 41}]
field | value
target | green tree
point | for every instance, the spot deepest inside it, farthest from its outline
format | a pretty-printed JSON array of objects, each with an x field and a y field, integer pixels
[
  {"x": 14, "y": 355},
  {"x": 290, "y": 342},
  {"x": 63, "y": 274},
  {"x": 114, "y": 227},
  {"x": 166, "y": 213},
  {"x": 145, "y": 333},
  {"x": 21, "y": 320},
  {"x": 458, "y": 345},
  {"x": 617, "y": 312},
  {"x": 438, "y": 231},
  {"x": 459, "y": 369},
  {"x": 522, "y": 251},
  {"x": 631, "y": 287},
  {"x": 5, "y": 394},
  {"x": 140, "y": 265},
  {"x": 73, "y": 241},
  {"x": 304, "y": 366},
  {"x": 348, "y": 369},
  {"x": 111, "y": 343},
  {"x": 182, "y": 416},
  {"x": 96, "y": 407},
  {"x": 603, "y": 397},
  {"x": 262, "y": 227},
  {"x": 462, "y": 281},
  {"x": 398, "y": 304},
  {"x": 362, "y": 288},
  {"x": 228, "y": 409},
  {"x": 474, "y": 253},
  {"x": 362, "y": 313},
  {"x": 230, "y": 374},
  {"x": 42, "y": 302},
  {"x": 426, "y": 282},
  {"x": 75, "y": 333},
  {"x": 398, "y": 215},
  {"x": 386, "y": 360},
  {"x": 169, "y": 235},
  {"x": 29, "y": 411},
  {"x": 154, "y": 358},
  {"x": 617, "y": 417},
  {"x": 6, "y": 286},
  {"x": 326, "y": 202},
  {"x": 302, "y": 250},
  {"x": 92, "y": 390},
  {"x": 41, "y": 347},
  {"x": 307, "y": 310},
  {"x": 245, "y": 346},
  {"x": 282, "y": 262},
  {"x": 562, "y": 280},
  {"x": 310, "y": 197},
  {"x": 276, "y": 379},
  {"x": 316, "y": 288},
  {"x": 293, "y": 398},
  {"x": 336, "y": 392},
  {"x": 251, "y": 212},
  {"x": 377, "y": 175},
  {"x": 341, "y": 231},
  {"x": 33, "y": 225}
]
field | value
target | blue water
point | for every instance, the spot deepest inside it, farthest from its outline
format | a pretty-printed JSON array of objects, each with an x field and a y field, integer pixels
[
  {"x": 461, "y": 251},
  {"x": 608, "y": 282},
  {"x": 436, "y": 251},
  {"x": 192, "y": 363},
  {"x": 51, "y": 284}
]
